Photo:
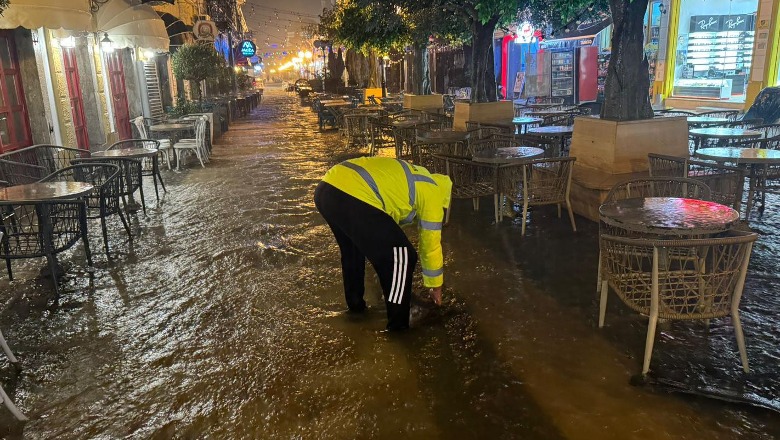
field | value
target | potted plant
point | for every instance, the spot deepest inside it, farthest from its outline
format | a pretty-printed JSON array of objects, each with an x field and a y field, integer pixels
[{"x": 196, "y": 62}]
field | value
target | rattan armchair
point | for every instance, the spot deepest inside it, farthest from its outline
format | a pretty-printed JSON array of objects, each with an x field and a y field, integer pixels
[
  {"x": 537, "y": 182},
  {"x": 470, "y": 180},
  {"x": 707, "y": 286},
  {"x": 726, "y": 183},
  {"x": 42, "y": 229},
  {"x": 659, "y": 187},
  {"x": 103, "y": 201}
]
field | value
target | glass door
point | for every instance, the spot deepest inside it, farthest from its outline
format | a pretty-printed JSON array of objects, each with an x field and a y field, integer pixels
[
  {"x": 14, "y": 121},
  {"x": 76, "y": 100},
  {"x": 116, "y": 76}
]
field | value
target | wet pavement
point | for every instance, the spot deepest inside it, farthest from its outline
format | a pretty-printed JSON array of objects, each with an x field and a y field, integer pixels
[{"x": 224, "y": 318}]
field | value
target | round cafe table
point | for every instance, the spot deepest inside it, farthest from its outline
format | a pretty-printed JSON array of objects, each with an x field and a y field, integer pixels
[
  {"x": 44, "y": 191},
  {"x": 561, "y": 132},
  {"x": 510, "y": 155},
  {"x": 668, "y": 216}
]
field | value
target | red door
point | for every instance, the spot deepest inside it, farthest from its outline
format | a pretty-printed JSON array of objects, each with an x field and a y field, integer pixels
[
  {"x": 14, "y": 121},
  {"x": 76, "y": 101},
  {"x": 116, "y": 76}
]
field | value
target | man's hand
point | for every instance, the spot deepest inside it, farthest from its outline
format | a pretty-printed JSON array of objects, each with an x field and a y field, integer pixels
[{"x": 435, "y": 293}]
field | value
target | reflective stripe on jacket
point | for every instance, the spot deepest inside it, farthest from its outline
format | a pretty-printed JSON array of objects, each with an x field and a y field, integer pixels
[{"x": 403, "y": 191}]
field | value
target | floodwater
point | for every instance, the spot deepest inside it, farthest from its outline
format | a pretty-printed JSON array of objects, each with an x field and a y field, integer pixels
[{"x": 224, "y": 319}]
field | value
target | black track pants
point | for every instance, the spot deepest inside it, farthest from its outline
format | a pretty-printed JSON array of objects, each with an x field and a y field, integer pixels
[{"x": 363, "y": 231}]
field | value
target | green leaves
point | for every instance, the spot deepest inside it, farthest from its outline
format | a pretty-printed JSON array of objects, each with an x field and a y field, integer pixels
[{"x": 196, "y": 62}]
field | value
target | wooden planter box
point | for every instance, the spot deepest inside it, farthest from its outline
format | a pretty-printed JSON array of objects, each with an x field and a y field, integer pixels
[
  {"x": 481, "y": 112},
  {"x": 428, "y": 103},
  {"x": 608, "y": 152}
]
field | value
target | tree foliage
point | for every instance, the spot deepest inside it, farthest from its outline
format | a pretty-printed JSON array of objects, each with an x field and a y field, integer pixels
[{"x": 196, "y": 62}]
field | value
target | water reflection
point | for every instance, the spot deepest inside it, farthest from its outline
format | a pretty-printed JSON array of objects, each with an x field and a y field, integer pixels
[{"x": 224, "y": 319}]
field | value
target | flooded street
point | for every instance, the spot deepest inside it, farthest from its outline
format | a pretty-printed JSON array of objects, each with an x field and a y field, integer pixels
[{"x": 224, "y": 319}]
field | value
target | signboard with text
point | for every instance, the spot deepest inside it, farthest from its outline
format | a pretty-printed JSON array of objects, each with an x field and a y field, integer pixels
[{"x": 247, "y": 48}]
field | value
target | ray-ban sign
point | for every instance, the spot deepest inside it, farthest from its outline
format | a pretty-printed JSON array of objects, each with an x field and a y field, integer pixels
[{"x": 721, "y": 23}]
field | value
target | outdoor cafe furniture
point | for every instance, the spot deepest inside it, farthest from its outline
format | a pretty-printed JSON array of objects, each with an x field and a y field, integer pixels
[
  {"x": 171, "y": 132},
  {"x": 722, "y": 135},
  {"x": 130, "y": 174},
  {"x": 447, "y": 142},
  {"x": 763, "y": 168},
  {"x": 706, "y": 283},
  {"x": 561, "y": 132},
  {"x": 470, "y": 179},
  {"x": 381, "y": 134},
  {"x": 356, "y": 129},
  {"x": 150, "y": 165},
  {"x": 26, "y": 221},
  {"x": 165, "y": 146},
  {"x": 726, "y": 183},
  {"x": 196, "y": 145},
  {"x": 704, "y": 121},
  {"x": 31, "y": 164},
  {"x": 536, "y": 182},
  {"x": 103, "y": 201},
  {"x": 509, "y": 155}
]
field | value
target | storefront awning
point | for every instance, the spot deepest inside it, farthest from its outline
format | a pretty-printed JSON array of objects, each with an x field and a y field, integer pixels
[
  {"x": 130, "y": 25},
  {"x": 72, "y": 15},
  {"x": 178, "y": 32}
]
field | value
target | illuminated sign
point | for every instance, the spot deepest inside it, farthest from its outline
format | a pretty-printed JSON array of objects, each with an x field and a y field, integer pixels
[
  {"x": 525, "y": 33},
  {"x": 248, "y": 48}
]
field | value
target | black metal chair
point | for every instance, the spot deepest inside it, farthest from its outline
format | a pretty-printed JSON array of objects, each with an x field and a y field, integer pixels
[
  {"x": 130, "y": 176},
  {"x": 31, "y": 164},
  {"x": 104, "y": 199},
  {"x": 149, "y": 167},
  {"x": 42, "y": 229}
]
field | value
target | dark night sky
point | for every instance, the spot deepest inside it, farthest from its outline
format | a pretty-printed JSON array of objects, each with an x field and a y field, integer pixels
[{"x": 279, "y": 22}]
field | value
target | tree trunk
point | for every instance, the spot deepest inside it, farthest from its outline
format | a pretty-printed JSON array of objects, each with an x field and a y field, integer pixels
[
  {"x": 483, "y": 80},
  {"x": 626, "y": 96},
  {"x": 421, "y": 83}
]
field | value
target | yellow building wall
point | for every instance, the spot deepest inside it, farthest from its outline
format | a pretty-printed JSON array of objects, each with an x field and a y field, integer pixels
[
  {"x": 764, "y": 65},
  {"x": 61, "y": 96},
  {"x": 97, "y": 55},
  {"x": 765, "y": 56}
]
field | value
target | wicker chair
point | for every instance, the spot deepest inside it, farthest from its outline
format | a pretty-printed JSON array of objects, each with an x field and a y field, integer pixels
[
  {"x": 662, "y": 165},
  {"x": 745, "y": 124},
  {"x": 726, "y": 183},
  {"x": 728, "y": 114},
  {"x": 381, "y": 134},
  {"x": 130, "y": 176},
  {"x": 659, "y": 187},
  {"x": 31, "y": 164},
  {"x": 196, "y": 145},
  {"x": 42, "y": 229},
  {"x": 769, "y": 130},
  {"x": 470, "y": 180},
  {"x": 356, "y": 129},
  {"x": 551, "y": 146},
  {"x": 537, "y": 182},
  {"x": 149, "y": 166},
  {"x": 104, "y": 199},
  {"x": 673, "y": 113},
  {"x": 704, "y": 287}
]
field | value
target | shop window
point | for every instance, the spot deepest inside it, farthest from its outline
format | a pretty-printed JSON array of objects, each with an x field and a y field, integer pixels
[{"x": 714, "y": 49}]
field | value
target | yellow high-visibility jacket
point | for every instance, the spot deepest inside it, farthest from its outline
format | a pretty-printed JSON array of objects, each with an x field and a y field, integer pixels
[{"x": 404, "y": 191}]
